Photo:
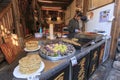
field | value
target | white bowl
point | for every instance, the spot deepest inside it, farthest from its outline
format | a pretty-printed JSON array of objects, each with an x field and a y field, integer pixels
[{"x": 38, "y": 35}]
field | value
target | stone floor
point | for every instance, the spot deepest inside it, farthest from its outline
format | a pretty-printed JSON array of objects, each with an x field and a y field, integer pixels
[
  {"x": 109, "y": 70},
  {"x": 102, "y": 71}
]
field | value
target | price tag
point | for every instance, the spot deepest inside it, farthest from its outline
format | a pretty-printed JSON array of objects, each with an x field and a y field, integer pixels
[
  {"x": 73, "y": 61},
  {"x": 93, "y": 43}
]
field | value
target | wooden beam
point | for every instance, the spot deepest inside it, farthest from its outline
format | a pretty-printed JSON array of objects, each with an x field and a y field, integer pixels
[
  {"x": 55, "y": 2},
  {"x": 115, "y": 29}
]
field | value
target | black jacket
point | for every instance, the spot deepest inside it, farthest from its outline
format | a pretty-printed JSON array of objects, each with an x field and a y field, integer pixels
[{"x": 73, "y": 24}]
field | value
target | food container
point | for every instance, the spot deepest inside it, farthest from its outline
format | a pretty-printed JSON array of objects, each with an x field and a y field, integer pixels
[{"x": 56, "y": 50}]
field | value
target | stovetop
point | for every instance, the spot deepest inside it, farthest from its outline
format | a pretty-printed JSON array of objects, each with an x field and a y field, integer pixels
[{"x": 87, "y": 37}]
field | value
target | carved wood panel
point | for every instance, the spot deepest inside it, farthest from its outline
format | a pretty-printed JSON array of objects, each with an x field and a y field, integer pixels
[
  {"x": 80, "y": 70},
  {"x": 94, "y": 60},
  {"x": 61, "y": 75},
  {"x": 6, "y": 21}
]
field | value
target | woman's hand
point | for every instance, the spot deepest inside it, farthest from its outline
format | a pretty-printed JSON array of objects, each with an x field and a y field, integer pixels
[{"x": 77, "y": 30}]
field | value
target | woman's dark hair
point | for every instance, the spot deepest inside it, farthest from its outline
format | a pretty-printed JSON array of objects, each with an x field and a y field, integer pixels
[{"x": 79, "y": 13}]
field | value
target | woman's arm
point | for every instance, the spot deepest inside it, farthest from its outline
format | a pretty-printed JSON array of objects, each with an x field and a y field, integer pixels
[{"x": 71, "y": 27}]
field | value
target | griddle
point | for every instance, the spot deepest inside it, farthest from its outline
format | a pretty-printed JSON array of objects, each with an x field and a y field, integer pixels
[{"x": 87, "y": 37}]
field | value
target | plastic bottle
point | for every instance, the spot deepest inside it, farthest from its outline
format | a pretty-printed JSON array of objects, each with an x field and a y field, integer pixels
[{"x": 40, "y": 31}]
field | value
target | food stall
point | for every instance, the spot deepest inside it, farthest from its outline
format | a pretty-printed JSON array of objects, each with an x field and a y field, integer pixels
[
  {"x": 79, "y": 65},
  {"x": 59, "y": 58}
]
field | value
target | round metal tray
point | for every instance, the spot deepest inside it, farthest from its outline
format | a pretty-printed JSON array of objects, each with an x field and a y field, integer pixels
[{"x": 59, "y": 57}]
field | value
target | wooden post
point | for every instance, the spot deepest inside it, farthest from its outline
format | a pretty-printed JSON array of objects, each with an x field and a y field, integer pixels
[
  {"x": 16, "y": 16},
  {"x": 115, "y": 29},
  {"x": 85, "y": 10}
]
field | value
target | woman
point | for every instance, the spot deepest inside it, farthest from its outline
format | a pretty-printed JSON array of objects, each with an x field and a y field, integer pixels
[{"x": 73, "y": 26}]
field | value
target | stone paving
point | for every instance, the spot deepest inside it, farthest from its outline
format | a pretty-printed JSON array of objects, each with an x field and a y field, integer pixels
[
  {"x": 109, "y": 70},
  {"x": 102, "y": 71}
]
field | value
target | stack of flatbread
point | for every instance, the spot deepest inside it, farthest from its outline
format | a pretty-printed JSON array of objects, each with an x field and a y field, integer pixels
[
  {"x": 29, "y": 64},
  {"x": 31, "y": 45}
]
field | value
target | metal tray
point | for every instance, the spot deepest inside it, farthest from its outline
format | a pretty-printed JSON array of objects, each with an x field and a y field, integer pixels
[{"x": 56, "y": 57}]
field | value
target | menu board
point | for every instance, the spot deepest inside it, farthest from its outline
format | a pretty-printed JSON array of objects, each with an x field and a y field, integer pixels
[{"x": 98, "y": 3}]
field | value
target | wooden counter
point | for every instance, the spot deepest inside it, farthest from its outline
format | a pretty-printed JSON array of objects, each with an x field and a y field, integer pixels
[{"x": 61, "y": 69}]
